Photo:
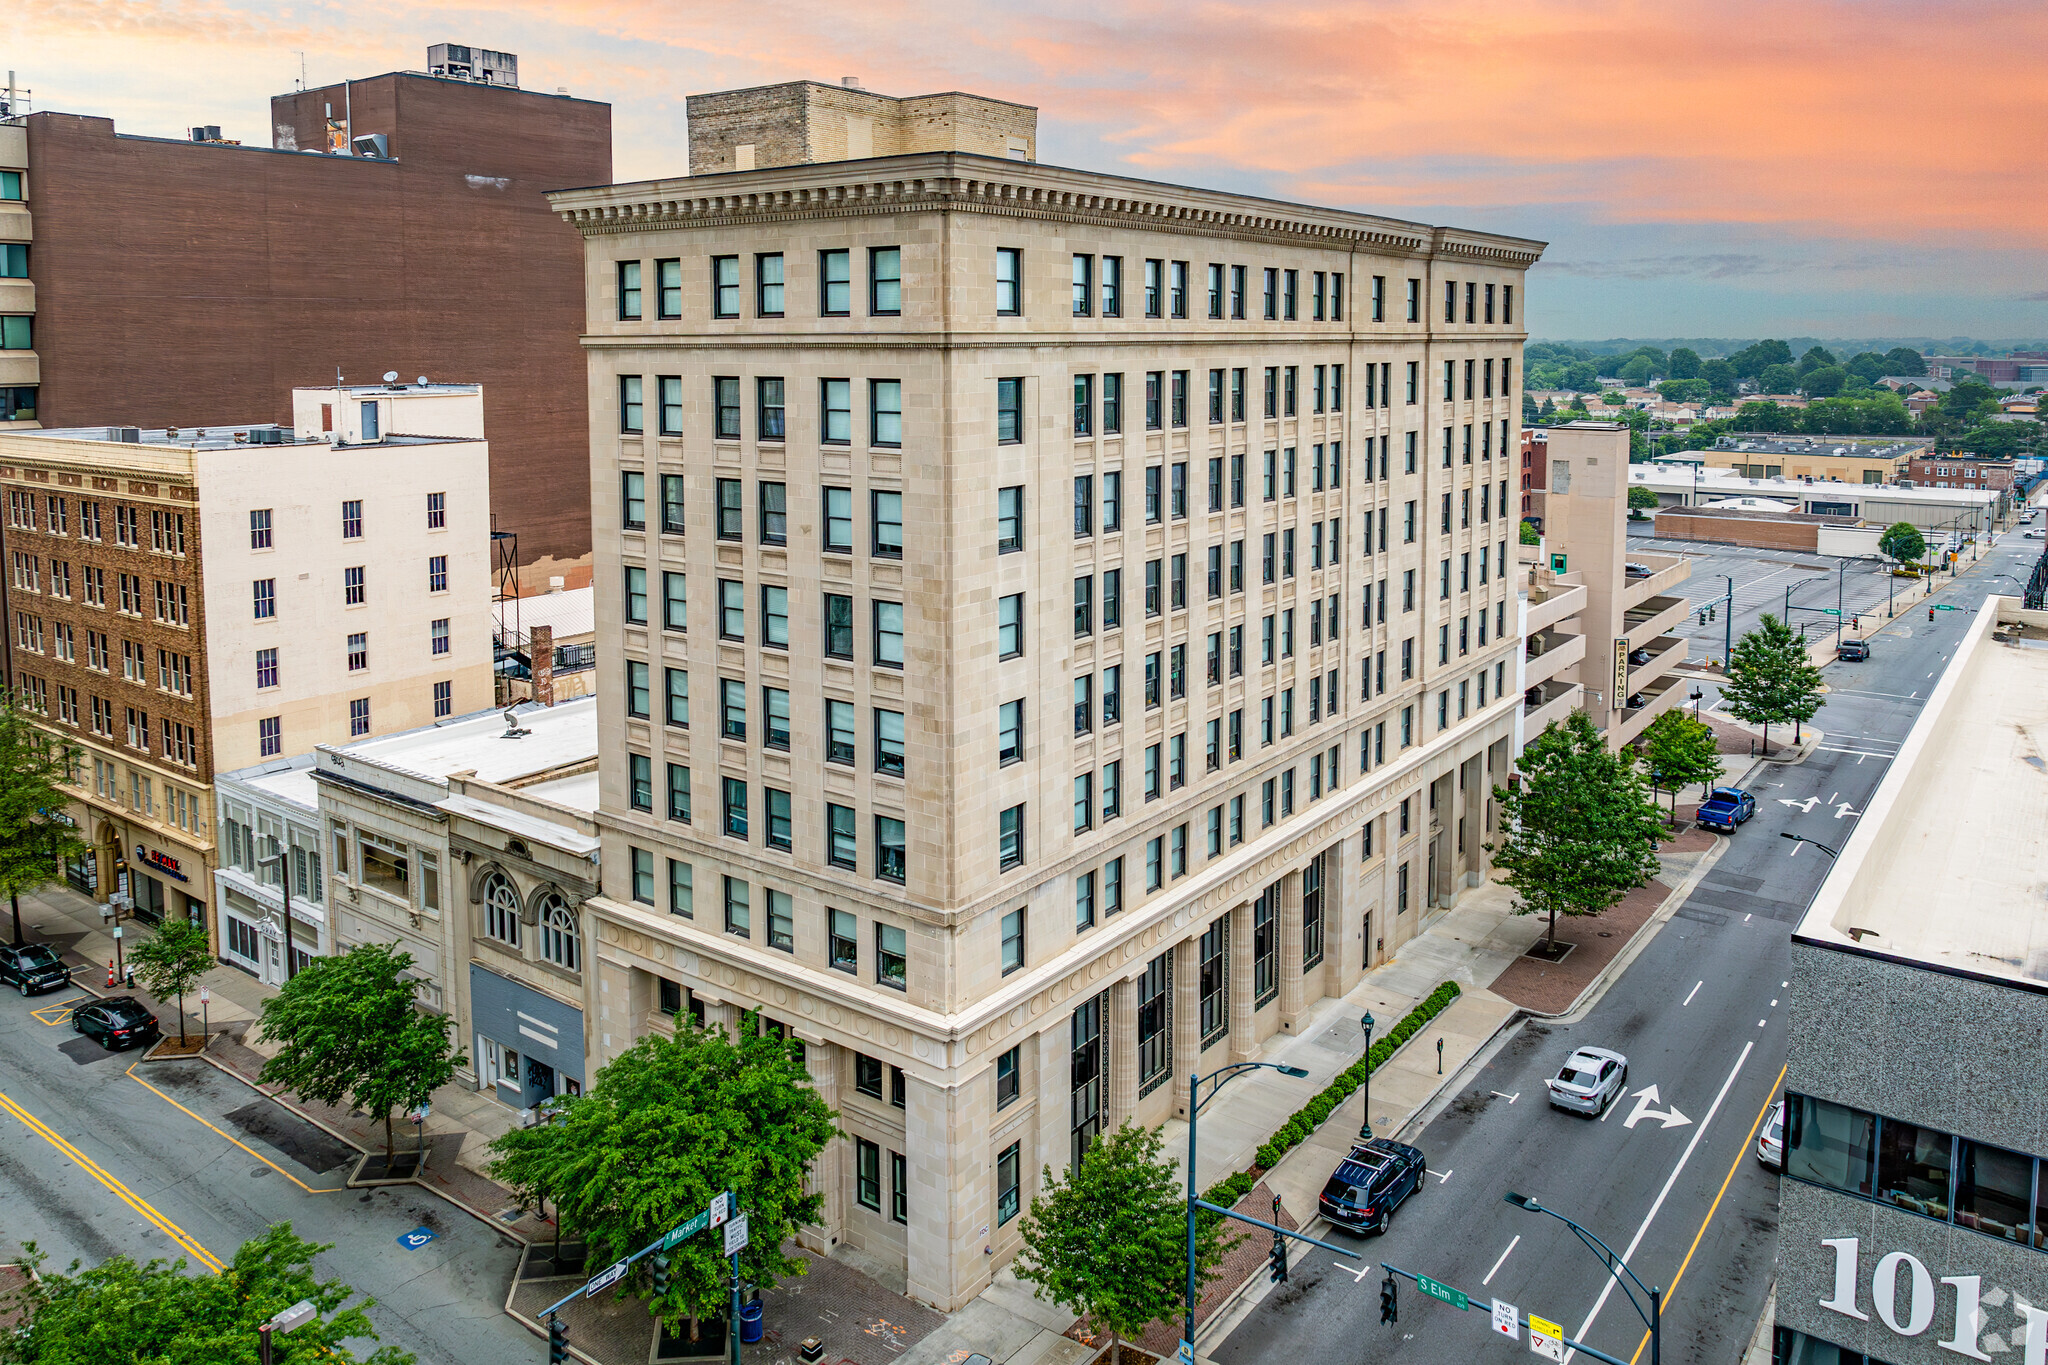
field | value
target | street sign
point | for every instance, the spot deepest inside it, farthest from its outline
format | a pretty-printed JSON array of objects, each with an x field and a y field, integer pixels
[
  {"x": 606, "y": 1278},
  {"x": 1830, "y": 611},
  {"x": 736, "y": 1235},
  {"x": 417, "y": 1238},
  {"x": 1938, "y": 606},
  {"x": 205, "y": 995},
  {"x": 1507, "y": 1320},
  {"x": 1546, "y": 1338},
  {"x": 685, "y": 1230},
  {"x": 718, "y": 1209},
  {"x": 1438, "y": 1290},
  {"x": 1185, "y": 1355}
]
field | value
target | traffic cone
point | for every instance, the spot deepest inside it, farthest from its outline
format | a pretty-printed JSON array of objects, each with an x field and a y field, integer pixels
[{"x": 111, "y": 978}]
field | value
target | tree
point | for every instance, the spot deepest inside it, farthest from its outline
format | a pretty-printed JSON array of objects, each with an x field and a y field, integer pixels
[
  {"x": 1998, "y": 439},
  {"x": 1816, "y": 357},
  {"x": 1682, "y": 390},
  {"x": 36, "y": 837},
  {"x": 172, "y": 962},
  {"x": 1640, "y": 500},
  {"x": 1108, "y": 1240},
  {"x": 157, "y": 1313},
  {"x": 1685, "y": 363},
  {"x": 350, "y": 1029},
  {"x": 1778, "y": 379},
  {"x": 1578, "y": 832},
  {"x": 1824, "y": 381},
  {"x": 1529, "y": 535},
  {"x": 1678, "y": 751},
  {"x": 670, "y": 1123},
  {"x": 1771, "y": 680},
  {"x": 1581, "y": 376},
  {"x": 1902, "y": 543},
  {"x": 1904, "y": 360},
  {"x": 1720, "y": 377},
  {"x": 1636, "y": 371},
  {"x": 1547, "y": 411},
  {"x": 1867, "y": 366},
  {"x": 1530, "y": 412},
  {"x": 1754, "y": 359}
]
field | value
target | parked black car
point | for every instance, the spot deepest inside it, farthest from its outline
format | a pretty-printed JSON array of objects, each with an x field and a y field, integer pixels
[
  {"x": 1370, "y": 1183},
  {"x": 119, "y": 1021},
  {"x": 33, "y": 968}
]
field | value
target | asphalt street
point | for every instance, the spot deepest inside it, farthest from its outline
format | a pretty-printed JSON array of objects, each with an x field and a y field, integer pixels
[
  {"x": 1668, "y": 1178},
  {"x": 103, "y": 1155}
]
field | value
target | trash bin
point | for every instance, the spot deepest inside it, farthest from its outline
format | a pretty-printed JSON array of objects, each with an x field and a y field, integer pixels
[{"x": 750, "y": 1323}]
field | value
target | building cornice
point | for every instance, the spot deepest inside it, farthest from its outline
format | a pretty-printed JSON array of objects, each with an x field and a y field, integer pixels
[{"x": 961, "y": 182}]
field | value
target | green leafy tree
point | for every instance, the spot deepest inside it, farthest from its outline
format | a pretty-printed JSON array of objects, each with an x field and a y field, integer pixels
[
  {"x": 1778, "y": 379},
  {"x": 172, "y": 962},
  {"x": 36, "y": 837},
  {"x": 1816, "y": 357},
  {"x": 1579, "y": 830},
  {"x": 1867, "y": 366},
  {"x": 1752, "y": 360},
  {"x": 156, "y": 1314},
  {"x": 1904, "y": 360},
  {"x": 1824, "y": 381},
  {"x": 1636, "y": 371},
  {"x": 1529, "y": 535},
  {"x": 349, "y": 1029},
  {"x": 670, "y": 1123},
  {"x": 1108, "y": 1240},
  {"x": 1685, "y": 363},
  {"x": 1640, "y": 500},
  {"x": 1999, "y": 440},
  {"x": 1679, "y": 751},
  {"x": 1771, "y": 680},
  {"x": 1721, "y": 378},
  {"x": 1530, "y": 412},
  {"x": 1547, "y": 411},
  {"x": 1582, "y": 376},
  {"x": 1902, "y": 543}
]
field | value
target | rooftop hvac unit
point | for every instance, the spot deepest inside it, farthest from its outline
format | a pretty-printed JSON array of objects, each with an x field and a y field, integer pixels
[
  {"x": 375, "y": 146},
  {"x": 128, "y": 435},
  {"x": 455, "y": 61},
  {"x": 266, "y": 436},
  {"x": 208, "y": 133}
]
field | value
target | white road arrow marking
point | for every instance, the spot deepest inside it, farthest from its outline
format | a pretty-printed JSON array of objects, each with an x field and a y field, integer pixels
[
  {"x": 1646, "y": 1102},
  {"x": 1807, "y": 805},
  {"x": 1842, "y": 810}
]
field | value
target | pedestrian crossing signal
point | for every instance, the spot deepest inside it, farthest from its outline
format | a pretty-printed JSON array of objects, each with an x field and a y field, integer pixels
[
  {"x": 1390, "y": 1306},
  {"x": 558, "y": 1343}
]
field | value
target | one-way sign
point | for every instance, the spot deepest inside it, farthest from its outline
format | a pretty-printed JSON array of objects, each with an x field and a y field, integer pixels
[{"x": 606, "y": 1278}]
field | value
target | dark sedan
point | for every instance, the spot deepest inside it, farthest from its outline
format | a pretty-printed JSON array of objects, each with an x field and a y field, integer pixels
[
  {"x": 32, "y": 969},
  {"x": 118, "y": 1022},
  {"x": 1370, "y": 1183}
]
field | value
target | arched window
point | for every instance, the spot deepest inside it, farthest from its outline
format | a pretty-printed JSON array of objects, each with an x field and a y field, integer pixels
[
  {"x": 501, "y": 909},
  {"x": 559, "y": 941}
]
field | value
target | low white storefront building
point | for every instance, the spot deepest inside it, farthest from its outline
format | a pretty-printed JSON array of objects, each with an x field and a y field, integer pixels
[{"x": 272, "y": 908}]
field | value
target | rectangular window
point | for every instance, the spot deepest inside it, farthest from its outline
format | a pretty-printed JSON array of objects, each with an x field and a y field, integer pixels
[
  {"x": 359, "y": 716},
  {"x": 725, "y": 396},
  {"x": 885, "y": 281},
  {"x": 1010, "y": 850},
  {"x": 732, "y": 610},
  {"x": 768, "y": 285},
  {"x": 676, "y": 688},
  {"x": 668, "y": 280},
  {"x": 725, "y": 286},
  {"x": 1084, "y": 285},
  {"x": 672, "y": 504},
  {"x": 1009, "y": 411},
  {"x": 629, "y": 291},
  {"x": 735, "y": 807},
  {"x": 888, "y": 642},
  {"x": 775, "y": 718},
  {"x": 890, "y": 867},
  {"x": 1177, "y": 295},
  {"x": 437, "y": 573},
  {"x": 640, "y": 781},
  {"x": 675, "y": 614},
  {"x": 266, "y": 598},
  {"x": 839, "y": 732},
  {"x": 732, "y": 709},
  {"x": 1009, "y": 281},
  {"x": 1008, "y": 1090},
  {"x": 1155, "y": 288},
  {"x": 1009, "y": 731},
  {"x": 885, "y": 512},
  {"x": 358, "y": 652},
  {"x": 835, "y": 283},
  {"x": 835, "y": 404},
  {"x": 889, "y": 743},
  {"x": 885, "y": 412},
  {"x": 842, "y": 849},
  {"x": 682, "y": 886},
  {"x": 769, "y": 410},
  {"x": 266, "y": 668},
  {"x": 1213, "y": 990},
  {"x": 778, "y": 832},
  {"x": 1112, "y": 286},
  {"x": 1112, "y": 404},
  {"x": 636, "y": 688}
]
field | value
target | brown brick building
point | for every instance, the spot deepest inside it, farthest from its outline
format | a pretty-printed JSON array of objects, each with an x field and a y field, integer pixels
[
  {"x": 1956, "y": 471},
  {"x": 176, "y": 281}
]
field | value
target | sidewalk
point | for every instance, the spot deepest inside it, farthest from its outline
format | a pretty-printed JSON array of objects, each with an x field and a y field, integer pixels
[{"x": 458, "y": 1130}]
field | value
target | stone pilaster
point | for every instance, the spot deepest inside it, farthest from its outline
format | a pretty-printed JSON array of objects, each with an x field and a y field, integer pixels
[
  {"x": 1122, "y": 1031},
  {"x": 1187, "y": 1019},
  {"x": 1290, "y": 950},
  {"x": 828, "y": 1174},
  {"x": 1243, "y": 1045}
]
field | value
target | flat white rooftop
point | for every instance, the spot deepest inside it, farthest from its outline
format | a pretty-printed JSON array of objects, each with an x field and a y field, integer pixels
[
  {"x": 1722, "y": 483},
  {"x": 557, "y": 737},
  {"x": 1949, "y": 864}
]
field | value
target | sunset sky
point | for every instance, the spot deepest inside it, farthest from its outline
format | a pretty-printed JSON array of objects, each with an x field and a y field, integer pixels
[{"x": 1699, "y": 169}]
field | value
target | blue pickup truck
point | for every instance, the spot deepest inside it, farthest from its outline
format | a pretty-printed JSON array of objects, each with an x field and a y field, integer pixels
[{"x": 1725, "y": 808}]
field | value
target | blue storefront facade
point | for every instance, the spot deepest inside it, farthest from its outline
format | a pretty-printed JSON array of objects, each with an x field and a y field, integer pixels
[{"x": 528, "y": 1044}]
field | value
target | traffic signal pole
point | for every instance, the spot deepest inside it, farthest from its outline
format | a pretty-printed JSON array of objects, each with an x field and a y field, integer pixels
[{"x": 1387, "y": 1303}]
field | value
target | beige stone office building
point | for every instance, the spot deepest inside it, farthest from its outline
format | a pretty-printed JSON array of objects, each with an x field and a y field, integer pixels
[{"x": 1053, "y": 630}]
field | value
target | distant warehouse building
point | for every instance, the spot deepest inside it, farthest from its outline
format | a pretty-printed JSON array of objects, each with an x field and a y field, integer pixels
[
  {"x": 1942, "y": 514},
  {"x": 1913, "y": 1225}
]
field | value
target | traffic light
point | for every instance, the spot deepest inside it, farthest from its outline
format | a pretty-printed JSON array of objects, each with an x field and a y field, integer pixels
[
  {"x": 558, "y": 1342},
  {"x": 660, "y": 1273},
  {"x": 1277, "y": 1260},
  {"x": 1390, "y": 1306}
]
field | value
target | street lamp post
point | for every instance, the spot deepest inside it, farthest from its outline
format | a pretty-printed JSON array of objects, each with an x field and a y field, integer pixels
[
  {"x": 290, "y": 1320},
  {"x": 1365, "y": 1127},
  {"x": 284, "y": 886},
  {"x": 1653, "y": 1318},
  {"x": 1196, "y": 1100}
]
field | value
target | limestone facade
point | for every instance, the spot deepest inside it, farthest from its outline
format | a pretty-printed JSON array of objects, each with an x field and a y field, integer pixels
[{"x": 856, "y": 568}]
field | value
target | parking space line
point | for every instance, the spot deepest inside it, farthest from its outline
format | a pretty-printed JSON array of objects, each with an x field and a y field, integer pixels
[
  {"x": 230, "y": 1137},
  {"x": 126, "y": 1195},
  {"x": 1741, "y": 1151},
  {"x": 63, "y": 1009}
]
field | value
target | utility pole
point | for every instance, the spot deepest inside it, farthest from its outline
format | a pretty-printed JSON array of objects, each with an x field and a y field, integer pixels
[{"x": 284, "y": 885}]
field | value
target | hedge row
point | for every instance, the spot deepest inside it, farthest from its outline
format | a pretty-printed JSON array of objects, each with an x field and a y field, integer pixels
[{"x": 1311, "y": 1116}]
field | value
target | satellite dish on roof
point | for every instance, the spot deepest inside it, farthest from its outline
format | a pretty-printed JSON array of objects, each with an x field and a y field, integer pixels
[
  {"x": 423, "y": 380},
  {"x": 391, "y": 376}
]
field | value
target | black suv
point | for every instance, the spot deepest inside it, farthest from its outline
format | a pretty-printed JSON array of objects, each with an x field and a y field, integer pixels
[
  {"x": 1370, "y": 1183},
  {"x": 33, "y": 968},
  {"x": 118, "y": 1021}
]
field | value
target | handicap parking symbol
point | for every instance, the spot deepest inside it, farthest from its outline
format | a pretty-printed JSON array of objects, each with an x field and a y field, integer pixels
[{"x": 417, "y": 1238}]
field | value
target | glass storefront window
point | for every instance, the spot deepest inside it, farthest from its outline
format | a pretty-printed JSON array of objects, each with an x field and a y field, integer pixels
[
  {"x": 1913, "y": 1166},
  {"x": 1993, "y": 1190}
]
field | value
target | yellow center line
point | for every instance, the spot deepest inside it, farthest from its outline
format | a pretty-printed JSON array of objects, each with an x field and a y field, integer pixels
[
  {"x": 230, "y": 1137},
  {"x": 126, "y": 1195},
  {"x": 1740, "y": 1153}
]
